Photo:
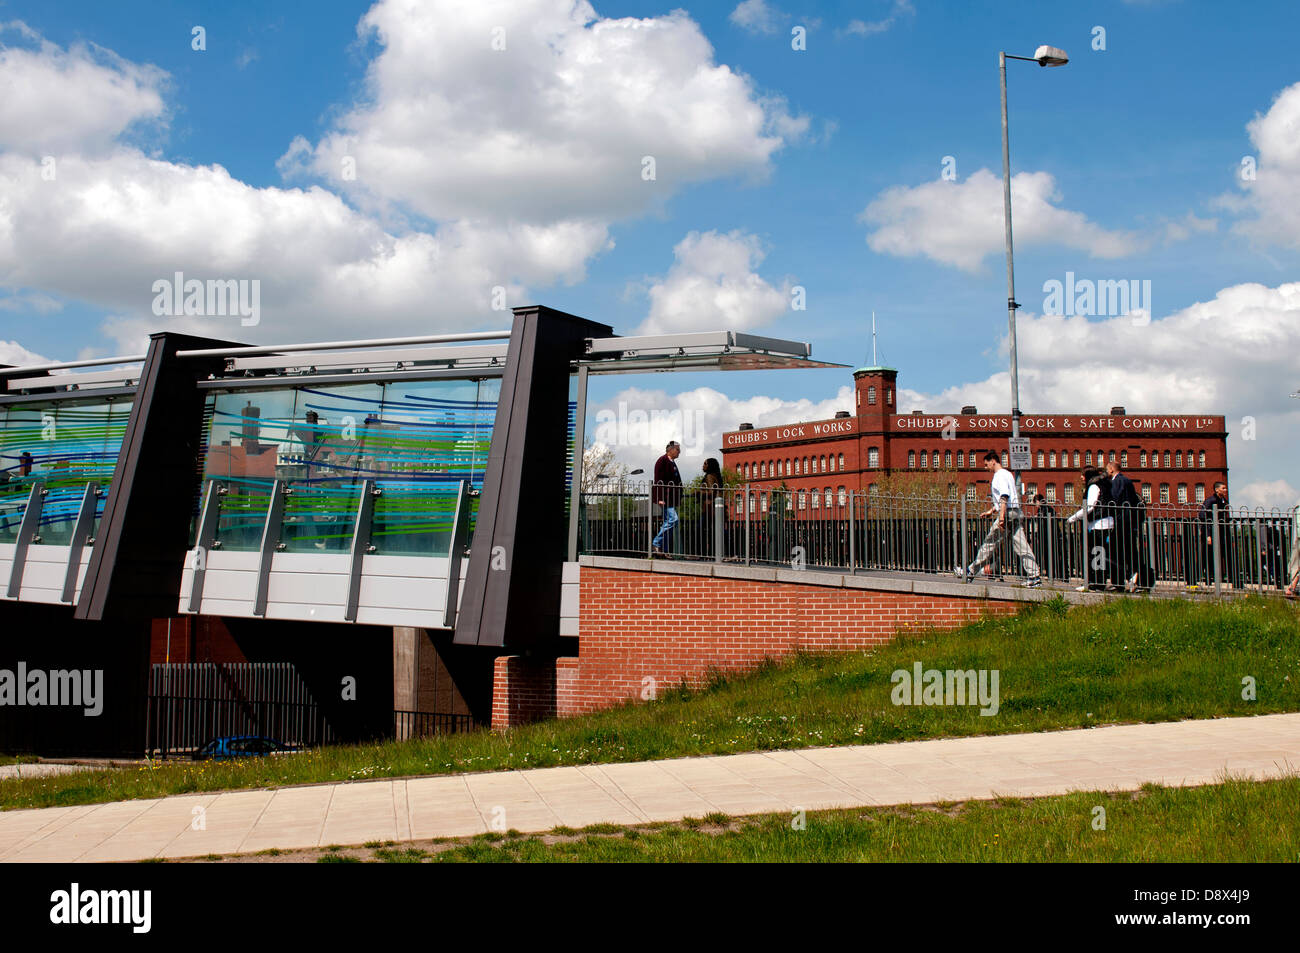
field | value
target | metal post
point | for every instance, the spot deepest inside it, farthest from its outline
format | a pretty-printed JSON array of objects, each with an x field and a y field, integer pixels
[
  {"x": 1050, "y": 531},
  {"x": 80, "y": 534},
  {"x": 455, "y": 555},
  {"x": 745, "y": 504},
  {"x": 579, "y": 437},
  {"x": 853, "y": 563},
  {"x": 1011, "y": 280},
  {"x": 719, "y": 515},
  {"x": 270, "y": 542},
  {"x": 205, "y": 537},
  {"x": 1214, "y": 541},
  {"x": 965, "y": 539},
  {"x": 26, "y": 534},
  {"x": 1259, "y": 552},
  {"x": 361, "y": 526},
  {"x": 1151, "y": 552}
]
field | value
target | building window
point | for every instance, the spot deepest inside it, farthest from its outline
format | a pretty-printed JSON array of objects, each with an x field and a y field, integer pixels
[
  {"x": 762, "y": 503},
  {"x": 1200, "y": 493},
  {"x": 1168, "y": 456},
  {"x": 1031, "y": 490},
  {"x": 947, "y": 459},
  {"x": 873, "y": 457},
  {"x": 970, "y": 491},
  {"x": 1201, "y": 459},
  {"x": 1146, "y": 492},
  {"x": 1087, "y": 458},
  {"x": 823, "y": 464},
  {"x": 1050, "y": 490},
  {"x": 936, "y": 459},
  {"x": 873, "y": 491},
  {"x": 828, "y": 498},
  {"x": 971, "y": 461},
  {"x": 859, "y": 398},
  {"x": 889, "y": 395},
  {"x": 1069, "y": 493},
  {"x": 740, "y": 506},
  {"x": 1142, "y": 459},
  {"x": 842, "y": 495},
  {"x": 1112, "y": 456},
  {"x": 1178, "y": 462},
  {"x": 762, "y": 469},
  {"x": 1164, "y": 492},
  {"x": 831, "y": 461},
  {"x": 779, "y": 470},
  {"x": 1182, "y": 493},
  {"x": 841, "y": 462},
  {"x": 803, "y": 499},
  {"x": 1042, "y": 459},
  {"x": 816, "y": 499},
  {"x": 871, "y": 395},
  {"x": 1051, "y": 459},
  {"x": 1004, "y": 458},
  {"x": 1123, "y": 459},
  {"x": 911, "y": 459}
]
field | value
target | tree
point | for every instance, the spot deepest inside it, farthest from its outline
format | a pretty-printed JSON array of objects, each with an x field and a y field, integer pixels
[{"x": 599, "y": 466}]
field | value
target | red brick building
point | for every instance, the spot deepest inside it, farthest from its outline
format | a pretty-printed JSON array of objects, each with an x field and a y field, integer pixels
[{"x": 1172, "y": 458}]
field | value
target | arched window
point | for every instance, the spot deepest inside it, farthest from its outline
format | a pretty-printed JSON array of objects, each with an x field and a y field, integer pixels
[
  {"x": 1042, "y": 459},
  {"x": 762, "y": 468},
  {"x": 1076, "y": 459},
  {"x": 1123, "y": 459},
  {"x": 925, "y": 458},
  {"x": 1201, "y": 459},
  {"x": 1182, "y": 493},
  {"x": 823, "y": 464},
  {"x": 873, "y": 457},
  {"x": 911, "y": 459},
  {"x": 1087, "y": 458},
  {"x": 1050, "y": 490},
  {"x": 889, "y": 395},
  {"x": 1004, "y": 458},
  {"x": 947, "y": 459},
  {"x": 971, "y": 491},
  {"x": 828, "y": 498},
  {"x": 1200, "y": 493},
  {"x": 803, "y": 499},
  {"x": 1146, "y": 492},
  {"x": 1142, "y": 459},
  {"x": 841, "y": 462},
  {"x": 816, "y": 498},
  {"x": 971, "y": 464},
  {"x": 1164, "y": 492},
  {"x": 935, "y": 458},
  {"x": 871, "y": 395},
  {"x": 841, "y": 495},
  {"x": 1051, "y": 459},
  {"x": 1168, "y": 455}
]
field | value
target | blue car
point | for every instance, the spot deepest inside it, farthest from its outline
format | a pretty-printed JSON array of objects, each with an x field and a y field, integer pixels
[{"x": 240, "y": 746}]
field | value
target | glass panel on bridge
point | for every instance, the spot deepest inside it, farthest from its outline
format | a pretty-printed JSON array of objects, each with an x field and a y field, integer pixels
[
  {"x": 416, "y": 439},
  {"x": 65, "y": 444}
]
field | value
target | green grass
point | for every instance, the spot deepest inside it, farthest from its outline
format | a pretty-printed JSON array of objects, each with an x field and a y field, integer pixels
[
  {"x": 1237, "y": 821},
  {"x": 1130, "y": 660}
]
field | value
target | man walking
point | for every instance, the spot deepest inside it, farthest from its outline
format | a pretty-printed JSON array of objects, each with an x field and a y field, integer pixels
[
  {"x": 1006, "y": 504},
  {"x": 667, "y": 492},
  {"x": 1215, "y": 510},
  {"x": 1130, "y": 515}
]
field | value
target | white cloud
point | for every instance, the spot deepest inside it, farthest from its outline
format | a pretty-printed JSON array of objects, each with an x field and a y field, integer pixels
[
  {"x": 756, "y": 16},
  {"x": 1272, "y": 197},
  {"x": 81, "y": 98},
  {"x": 960, "y": 223},
  {"x": 521, "y": 160},
  {"x": 554, "y": 127},
  {"x": 14, "y": 354},
  {"x": 872, "y": 27},
  {"x": 1266, "y": 495},
  {"x": 1189, "y": 225},
  {"x": 712, "y": 286}
]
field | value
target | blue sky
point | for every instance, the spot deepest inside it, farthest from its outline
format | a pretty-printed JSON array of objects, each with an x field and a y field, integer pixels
[{"x": 1132, "y": 156}]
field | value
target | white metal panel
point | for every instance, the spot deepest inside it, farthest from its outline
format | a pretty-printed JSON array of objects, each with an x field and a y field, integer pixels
[
  {"x": 422, "y": 567},
  {"x": 390, "y": 592}
]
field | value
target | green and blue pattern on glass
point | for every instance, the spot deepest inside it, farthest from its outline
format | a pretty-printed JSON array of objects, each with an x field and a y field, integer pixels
[{"x": 65, "y": 445}]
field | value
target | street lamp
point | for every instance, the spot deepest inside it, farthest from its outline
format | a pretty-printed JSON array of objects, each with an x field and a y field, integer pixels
[{"x": 1043, "y": 56}]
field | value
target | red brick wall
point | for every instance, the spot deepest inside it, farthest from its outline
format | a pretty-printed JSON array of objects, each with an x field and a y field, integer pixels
[{"x": 666, "y": 627}]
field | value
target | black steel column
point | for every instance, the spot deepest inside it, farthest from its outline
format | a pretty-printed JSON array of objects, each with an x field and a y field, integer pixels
[{"x": 512, "y": 586}]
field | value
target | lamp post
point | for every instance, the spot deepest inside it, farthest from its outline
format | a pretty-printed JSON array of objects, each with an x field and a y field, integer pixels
[{"x": 1043, "y": 56}]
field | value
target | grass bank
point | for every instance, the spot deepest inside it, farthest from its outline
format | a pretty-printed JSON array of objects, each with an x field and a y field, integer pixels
[
  {"x": 1232, "y": 822},
  {"x": 1059, "y": 667}
]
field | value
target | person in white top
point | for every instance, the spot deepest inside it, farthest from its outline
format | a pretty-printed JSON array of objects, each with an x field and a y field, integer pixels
[
  {"x": 1006, "y": 504},
  {"x": 1098, "y": 527}
]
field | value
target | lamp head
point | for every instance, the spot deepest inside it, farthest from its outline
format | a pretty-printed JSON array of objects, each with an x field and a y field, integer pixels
[{"x": 1050, "y": 56}]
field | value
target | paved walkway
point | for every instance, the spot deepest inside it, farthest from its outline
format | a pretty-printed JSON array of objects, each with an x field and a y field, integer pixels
[{"x": 1116, "y": 758}]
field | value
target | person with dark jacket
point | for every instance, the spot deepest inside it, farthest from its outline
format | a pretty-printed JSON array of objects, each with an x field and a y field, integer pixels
[
  {"x": 1131, "y": 569},
  {"x": 1215, "y": 510},
  {"x": 1099, "y": 526},
  {"x": 709, "y": 490},
  {"x": 667, "y": 492}
]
